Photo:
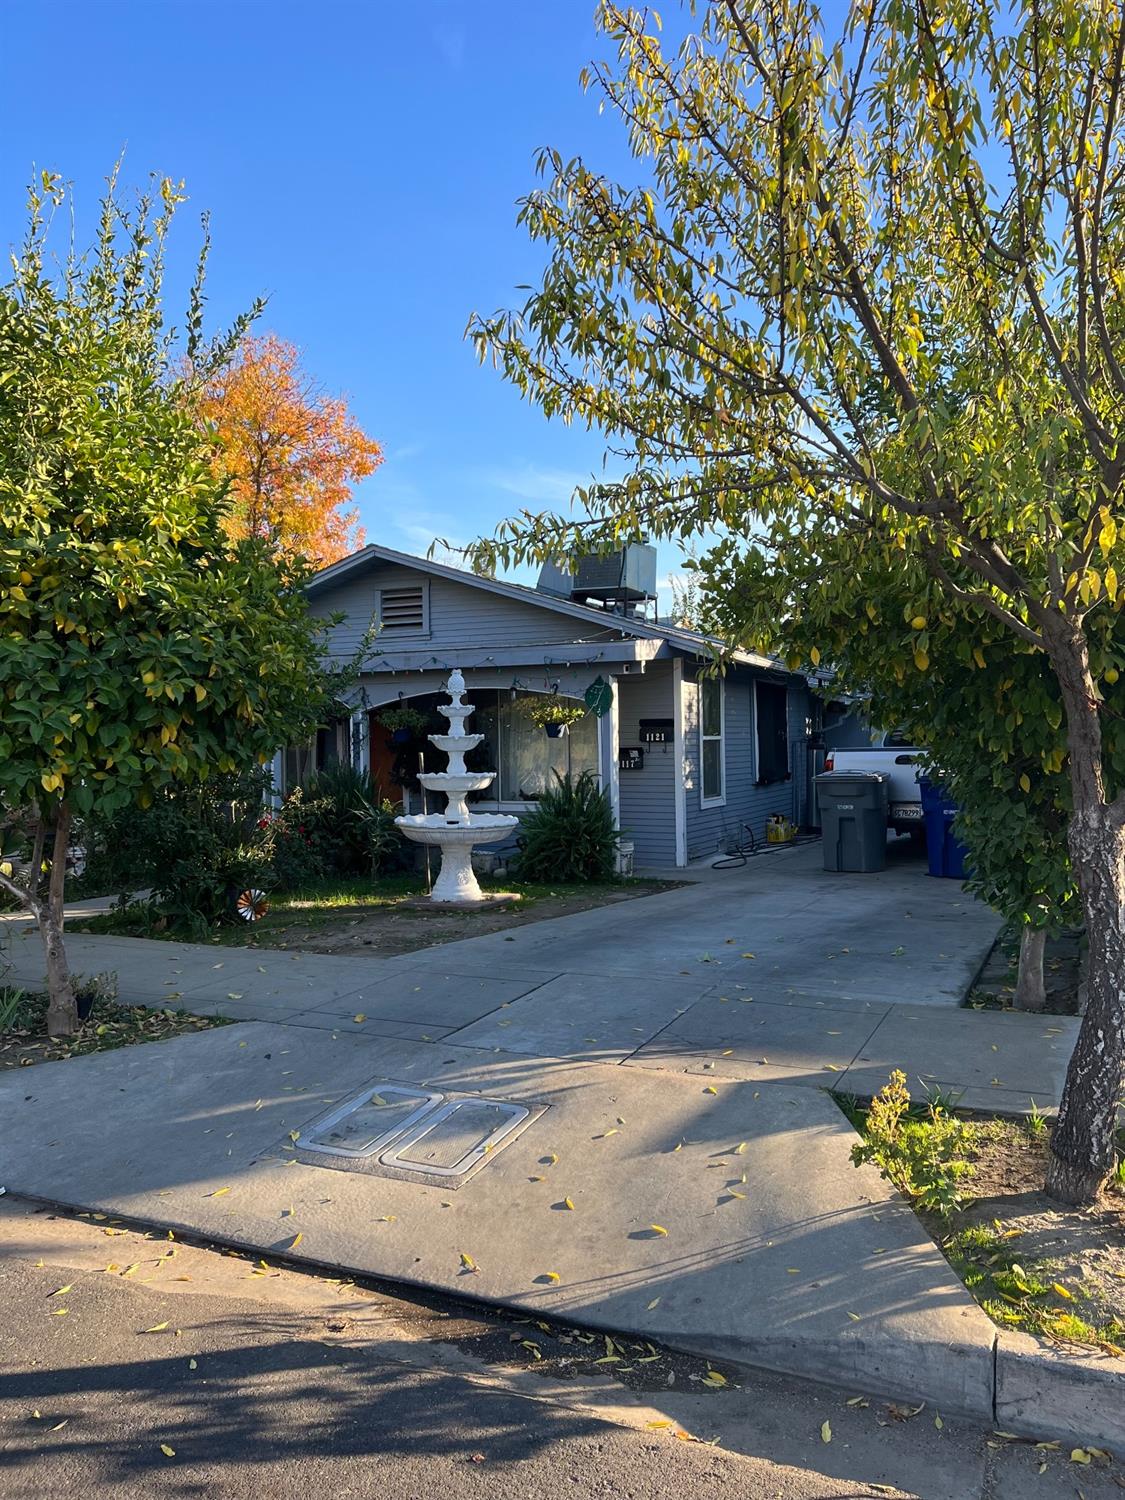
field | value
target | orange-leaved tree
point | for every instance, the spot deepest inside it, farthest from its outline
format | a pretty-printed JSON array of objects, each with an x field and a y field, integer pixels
[{"x": 291, "y": 452}]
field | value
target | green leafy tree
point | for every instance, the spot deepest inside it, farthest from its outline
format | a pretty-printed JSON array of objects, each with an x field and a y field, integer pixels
[
  {"x": 139, "y": 645},
  {"x": 870, "y": 285}
]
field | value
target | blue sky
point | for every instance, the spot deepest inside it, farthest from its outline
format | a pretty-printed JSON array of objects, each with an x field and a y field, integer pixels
[{"x": 361, "y": 162}]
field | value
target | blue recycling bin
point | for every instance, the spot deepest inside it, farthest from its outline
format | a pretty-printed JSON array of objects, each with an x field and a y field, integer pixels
[{"x": 944, "y": 849}]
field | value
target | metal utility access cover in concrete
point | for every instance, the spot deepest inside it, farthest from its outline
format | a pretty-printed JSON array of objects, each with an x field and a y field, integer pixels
[
  {"x": 366, "y": 1122},
  {"x": 452, "y": 1139},
  {"x": 416, "y": 1134}
]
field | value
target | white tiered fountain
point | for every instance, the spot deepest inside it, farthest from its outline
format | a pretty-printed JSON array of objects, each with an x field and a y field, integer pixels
[{"x": 456, "y": 830}]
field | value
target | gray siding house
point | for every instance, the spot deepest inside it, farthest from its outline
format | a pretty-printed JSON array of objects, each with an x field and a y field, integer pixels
[{"x": 689, "y": 756}]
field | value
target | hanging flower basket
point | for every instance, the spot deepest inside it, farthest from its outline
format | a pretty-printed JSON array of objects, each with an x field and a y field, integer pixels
[
  {"x": 553, "y": 713},
  {"x": 404, "y": 724}
]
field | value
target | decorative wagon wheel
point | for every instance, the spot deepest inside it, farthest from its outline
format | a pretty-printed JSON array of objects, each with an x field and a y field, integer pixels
[{"x": 252, "y": 906}]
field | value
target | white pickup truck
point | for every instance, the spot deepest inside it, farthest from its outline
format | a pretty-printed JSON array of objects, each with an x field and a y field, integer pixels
[{"x": 896, "y": 757}]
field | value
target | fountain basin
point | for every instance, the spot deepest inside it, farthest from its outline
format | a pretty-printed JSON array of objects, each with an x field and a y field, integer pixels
[
  {"x": 457, "y": 883},
  {"x": 456, "y": 744},
  {"x": 455, "y": 782},
  {"x": 432, "y": 828}
]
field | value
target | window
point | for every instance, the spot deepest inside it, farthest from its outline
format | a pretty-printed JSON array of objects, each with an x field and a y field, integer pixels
[
  {"x": 712, "y": 791},
  {"x": 404, "y": 609},
  {"x": 327, "y": 747},
  {"x": 523, "y": 754},
  {"x": 772, "y": 720}
]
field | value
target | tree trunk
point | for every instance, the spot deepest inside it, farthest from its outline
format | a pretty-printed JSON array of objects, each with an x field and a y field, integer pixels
[
  {"x": 62, "y": 1010},
  {"x": 1082, "y": 1143},
  {"x": 1031, "y": 988}
]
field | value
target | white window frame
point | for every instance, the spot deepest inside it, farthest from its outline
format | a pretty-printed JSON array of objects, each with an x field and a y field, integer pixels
[
  {"x": 394, "y": 632},
  {"x": 721, "y": 737}
]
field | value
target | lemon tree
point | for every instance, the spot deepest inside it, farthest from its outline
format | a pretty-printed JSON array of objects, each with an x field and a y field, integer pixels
[{"x": 138, "y": 644}]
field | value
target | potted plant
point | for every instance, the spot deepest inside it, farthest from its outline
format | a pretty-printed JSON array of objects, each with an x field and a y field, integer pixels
[
  {"x": 554, "y": 714},
  {"x": 404, "y": 724}
]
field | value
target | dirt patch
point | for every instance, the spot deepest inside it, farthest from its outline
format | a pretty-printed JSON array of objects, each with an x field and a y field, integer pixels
[
  {"x": 382, "y": 919},
  {"x": 1062, "y": 974},
  {"x": 1030, "y": 1262},
  {"x": 403, "y": 929},
  {"x": 24, "y": 1040}
]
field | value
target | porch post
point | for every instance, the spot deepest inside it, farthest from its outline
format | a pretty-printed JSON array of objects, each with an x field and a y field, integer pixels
[
  {"x": 609, "y": 736},
  {"x": 276, "y": 769},
  {"x": 361, "y": 740},
  {"x": 678, "y": 749}
]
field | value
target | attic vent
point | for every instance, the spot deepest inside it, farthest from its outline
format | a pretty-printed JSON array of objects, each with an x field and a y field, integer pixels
[{"x": 403, "y": 609}]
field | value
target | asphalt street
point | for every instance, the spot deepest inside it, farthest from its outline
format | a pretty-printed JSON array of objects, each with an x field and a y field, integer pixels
[{"x": 137, "y": 1366}]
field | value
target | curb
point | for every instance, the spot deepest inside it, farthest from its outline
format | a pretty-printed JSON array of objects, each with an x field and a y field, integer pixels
[
  {"x": 1013, "y": 1382},
  {"x": 1043, "y": 1392}
]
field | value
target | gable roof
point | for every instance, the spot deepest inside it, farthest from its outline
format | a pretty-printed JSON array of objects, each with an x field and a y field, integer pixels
[{"x": 678, "y": 637}]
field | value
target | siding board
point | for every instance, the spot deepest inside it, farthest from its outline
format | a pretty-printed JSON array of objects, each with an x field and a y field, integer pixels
[
  {"x": 648, "y": 806},
  {"x": 459, "y": 615}
]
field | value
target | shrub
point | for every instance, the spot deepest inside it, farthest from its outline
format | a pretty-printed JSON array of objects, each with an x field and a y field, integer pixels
[
  {"x": 336, "y": 826},
  {"x": 570, "y": 836},
  {"x": 197, "y": 847},
  {"x": 921, "y": 1155}
]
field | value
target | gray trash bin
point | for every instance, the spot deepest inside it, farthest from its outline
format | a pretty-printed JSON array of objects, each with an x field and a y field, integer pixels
[{"x": 853, "y": 819}]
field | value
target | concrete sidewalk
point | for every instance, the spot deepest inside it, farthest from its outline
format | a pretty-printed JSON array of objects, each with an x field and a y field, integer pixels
[
  {"x": 777, "y": 970},
  {"x": 689, "y": 1176},
  {"x": 808, "y": 1265}
]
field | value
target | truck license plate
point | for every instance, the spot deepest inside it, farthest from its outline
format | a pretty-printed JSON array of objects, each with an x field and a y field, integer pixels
[{"x": 906, "y": 810}]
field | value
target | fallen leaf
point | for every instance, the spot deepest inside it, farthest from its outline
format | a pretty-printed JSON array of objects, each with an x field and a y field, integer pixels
[
  {"x": 156, "y": 1328},
  {"x": 1079, "y": 1456},
  {"x": 468, "y": 1262},
  {"x": 658, "y": 1424},
  {"x": 551, "y": 1276},
  {"x": 714, "y": 1378},
  {"x": 568, "y": 1203},
  {"x": 658, "y": 1229},
  {"x": 1057, "y": 1286},
  {"x": 359, "y": 1020},
  {"x": 297, "y": 1238},
  {"x": 57, "y": 1425},
  {"x": 826, "y": 1432},
  {"x": 740, "y": 1148},
  {"x": 60, "y": 1290},
  {"x": 167, "y": 1451},
  {"x": 234, "y": 995},
  {"x": 218, "y": 1193},
  {"x": 734, "y": 1193},
  {"x": 938, "y": 1423},
  {"x": 192, "y": 1364},
  {"x": 59, "y": 1312},
  {"x": 710, "y": 1090},
  {"x": 654, "y": 1303}
]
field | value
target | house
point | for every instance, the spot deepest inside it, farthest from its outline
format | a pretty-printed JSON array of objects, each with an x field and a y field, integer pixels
[{"x": 689, "y": 754}]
